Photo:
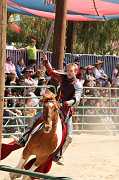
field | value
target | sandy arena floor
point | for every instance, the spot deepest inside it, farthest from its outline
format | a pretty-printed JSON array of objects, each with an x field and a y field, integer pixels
[{"x": 90, "y": 157}]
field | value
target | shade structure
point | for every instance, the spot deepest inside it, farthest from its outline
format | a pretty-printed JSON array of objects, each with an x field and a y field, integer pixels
[{"x": 78, "y": 10}]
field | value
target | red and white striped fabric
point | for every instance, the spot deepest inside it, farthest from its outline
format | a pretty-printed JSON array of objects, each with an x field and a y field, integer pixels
[{"x": 78, "y": 10}]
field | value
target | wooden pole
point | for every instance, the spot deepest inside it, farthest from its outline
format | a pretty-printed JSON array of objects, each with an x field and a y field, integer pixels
[
  {"x": 59, "y": 34},
  {"x": 3, "y": 23},
  {"x": 8, "y": 16}
]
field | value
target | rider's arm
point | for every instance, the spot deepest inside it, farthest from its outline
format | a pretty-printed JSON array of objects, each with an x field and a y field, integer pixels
[{"x": 51, "y": 72}]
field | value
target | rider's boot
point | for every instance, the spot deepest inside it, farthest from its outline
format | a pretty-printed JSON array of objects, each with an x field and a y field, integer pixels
[{"x": 59, "y": 157}]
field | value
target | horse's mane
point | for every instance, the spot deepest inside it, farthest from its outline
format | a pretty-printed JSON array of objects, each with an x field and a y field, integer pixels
[{"x": 48, "y": 95}]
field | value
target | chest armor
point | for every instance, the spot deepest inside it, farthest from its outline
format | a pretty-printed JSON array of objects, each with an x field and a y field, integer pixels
[{"x": 67, "y": 89}]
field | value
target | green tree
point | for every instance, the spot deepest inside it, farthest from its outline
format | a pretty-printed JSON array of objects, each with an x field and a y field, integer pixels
[
  {"x": 90, "y": 37},
  {"x": 31, "y": 26},
  {"x": 97, "y": 37}
]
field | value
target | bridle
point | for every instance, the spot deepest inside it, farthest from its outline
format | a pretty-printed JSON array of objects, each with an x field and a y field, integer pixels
[{"x": 47, "y": 112}]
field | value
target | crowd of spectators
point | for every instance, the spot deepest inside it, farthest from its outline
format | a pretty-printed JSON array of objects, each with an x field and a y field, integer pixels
[
  {"x": 103, "y": 106},
  {"x": 22, "y": 91}
]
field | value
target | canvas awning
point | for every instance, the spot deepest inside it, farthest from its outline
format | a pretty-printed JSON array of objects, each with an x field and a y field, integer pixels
[{"x": 78, "y": 10}]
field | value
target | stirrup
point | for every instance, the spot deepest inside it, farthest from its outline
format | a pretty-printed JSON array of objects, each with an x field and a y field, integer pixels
[
  {"x": 18, "y": 141},
  {"x": 15, "y": 138},
  {"x": 60, "y": 161}
]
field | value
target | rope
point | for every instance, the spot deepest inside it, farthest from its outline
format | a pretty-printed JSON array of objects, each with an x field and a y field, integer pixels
[{"x": 96, "y": 8}]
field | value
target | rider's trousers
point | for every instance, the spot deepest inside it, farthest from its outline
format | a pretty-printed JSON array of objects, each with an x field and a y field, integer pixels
[{"x": 69, "y": 126}]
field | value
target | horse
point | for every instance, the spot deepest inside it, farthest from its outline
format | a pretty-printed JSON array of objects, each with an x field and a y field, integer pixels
[{"x": 44, "y": 142}]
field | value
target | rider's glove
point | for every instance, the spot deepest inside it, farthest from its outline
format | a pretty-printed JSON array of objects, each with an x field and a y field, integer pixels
[
  {"x": 69, "y": 103},
  {"x": 66, "y": 104}
]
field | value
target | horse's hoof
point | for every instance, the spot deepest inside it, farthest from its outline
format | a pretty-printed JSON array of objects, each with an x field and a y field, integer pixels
[
  {"x": 14, "y": 176},
  {"x": 25, "y": 178},
  {"x": 60, "y": 161}
]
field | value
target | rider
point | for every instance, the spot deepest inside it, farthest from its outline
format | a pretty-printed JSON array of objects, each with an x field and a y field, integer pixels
[{"x": 70, "y": 93}]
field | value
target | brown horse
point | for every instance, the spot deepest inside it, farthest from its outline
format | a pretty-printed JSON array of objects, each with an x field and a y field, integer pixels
[{"x": 44, "y": 142}]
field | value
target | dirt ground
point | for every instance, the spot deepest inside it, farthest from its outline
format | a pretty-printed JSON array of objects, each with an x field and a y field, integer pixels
[{"x": 90, "y": 157}]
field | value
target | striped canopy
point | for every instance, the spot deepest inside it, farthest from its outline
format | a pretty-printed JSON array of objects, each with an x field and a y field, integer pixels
[{"x": 78, "y": 10}]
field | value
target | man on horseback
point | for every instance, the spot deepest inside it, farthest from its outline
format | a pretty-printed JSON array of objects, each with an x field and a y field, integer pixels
[{"x": 70, "y": 93}]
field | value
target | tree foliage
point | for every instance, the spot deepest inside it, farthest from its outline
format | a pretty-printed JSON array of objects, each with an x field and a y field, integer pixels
[
  {"x": 31, "y": 26},
  {"x": 97, "y": 37},
  {"x": 91, "y": 37}
]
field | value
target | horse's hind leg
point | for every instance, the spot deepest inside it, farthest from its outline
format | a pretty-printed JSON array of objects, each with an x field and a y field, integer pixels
[
  {"x": 39, "y": 161},
  {"x": 33, "y": 168}
]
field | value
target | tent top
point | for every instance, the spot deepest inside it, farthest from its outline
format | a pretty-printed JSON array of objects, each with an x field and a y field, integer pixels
[{"x": 78, "y": 10}]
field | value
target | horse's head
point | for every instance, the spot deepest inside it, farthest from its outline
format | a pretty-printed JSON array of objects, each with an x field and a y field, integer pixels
[{"x": 50, "y": 107}]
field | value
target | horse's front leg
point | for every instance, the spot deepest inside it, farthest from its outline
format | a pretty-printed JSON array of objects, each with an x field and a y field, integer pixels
[
  {"x": 20, "y": 166},
  {"x": 29, "y": 178},
  {"x": 24, "y": 177}
]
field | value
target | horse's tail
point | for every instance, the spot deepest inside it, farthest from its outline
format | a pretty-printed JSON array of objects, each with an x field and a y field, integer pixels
[{"x": 8, "y": 148}]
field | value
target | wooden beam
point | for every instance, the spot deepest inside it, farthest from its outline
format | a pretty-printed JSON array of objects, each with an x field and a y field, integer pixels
[
  {"x": 59, "y": 34},
  {"x": 3, "y": 24}
]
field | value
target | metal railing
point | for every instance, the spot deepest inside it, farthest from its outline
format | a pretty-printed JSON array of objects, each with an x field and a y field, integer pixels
[
  {"x": 85, "y": 59},
  {"x": 17, "y": 118},
  {"x": 31, "y": 173},
  {"x": 98, "y": 112}
]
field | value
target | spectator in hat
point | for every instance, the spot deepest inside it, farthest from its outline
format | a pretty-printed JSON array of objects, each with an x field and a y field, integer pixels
[{"x": 100, "y": 75}]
